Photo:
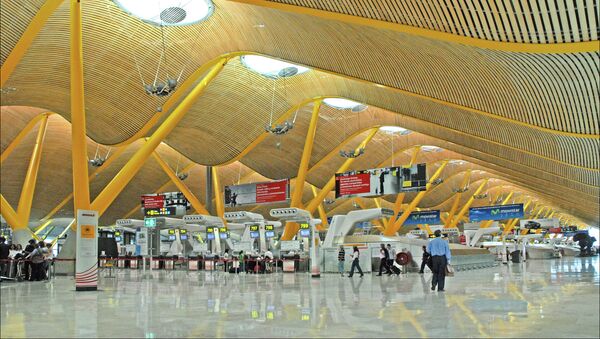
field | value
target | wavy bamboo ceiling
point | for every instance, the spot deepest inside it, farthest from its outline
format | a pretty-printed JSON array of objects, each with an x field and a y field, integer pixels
[{"x": 530, "y": 118}]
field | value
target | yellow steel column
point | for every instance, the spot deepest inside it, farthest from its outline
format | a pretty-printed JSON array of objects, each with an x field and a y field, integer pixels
[
  {"x": 487, "y": 223},
  {"x": 21, "y": 47},
  {"x": 457, "y": 197},
  {"x": 321, "y": 209},
  {"x": 306, "y": 154},
  {"x": 413, "y": 204},
  {"x": 26, "y": 198},
  {"x": 400, "y": 196},
  {"x": 112, "y": 190},
  {"x": 196, "y": 204},
  {"x": 537, "y": 215},
  {"x": 81, "y": 186},
  {"x": 465, "y": 208},
  {"x": 551, "y": 215},
  {"x": 291, "y": 229},
  {"x": 8, "y": 212},
  {"x": 22, "y": 134},
  {"x": 219, "y": 204}
]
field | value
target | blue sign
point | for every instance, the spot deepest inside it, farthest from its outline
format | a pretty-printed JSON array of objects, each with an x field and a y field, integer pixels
[
  {"x": 495, "y": 212},
  {"x": 422, "y": 217}
]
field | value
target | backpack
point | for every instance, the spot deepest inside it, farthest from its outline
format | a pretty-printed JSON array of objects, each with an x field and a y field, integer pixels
[{"x": 37, "y": 257}]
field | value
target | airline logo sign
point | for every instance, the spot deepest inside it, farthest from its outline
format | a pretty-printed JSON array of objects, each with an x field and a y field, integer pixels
[
  {"x": 495, "y": 212},
  {"x": 86, "y": 257},
  {"x": 257, "y": 193},
  {"x": 422, "y": 217}
]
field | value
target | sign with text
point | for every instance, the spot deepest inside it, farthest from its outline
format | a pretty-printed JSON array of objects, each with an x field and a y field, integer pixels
[
  {"x": 86, "y": 263},
  {"x": 165, "y": 204},
  {"x": 257, "y": 193},
  {"x": 495, "y": 212},
  {"x": 422, "y": 217},
  {"x": 380, "y": 181}
]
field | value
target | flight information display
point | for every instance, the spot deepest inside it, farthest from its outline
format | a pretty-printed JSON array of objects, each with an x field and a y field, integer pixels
[
  {"x": 269, "y": 234},
  {"x": 254, "y": 234}
]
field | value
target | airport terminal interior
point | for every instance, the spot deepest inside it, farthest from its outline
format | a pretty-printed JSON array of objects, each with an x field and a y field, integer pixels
[{"x": 299, "y": 168}]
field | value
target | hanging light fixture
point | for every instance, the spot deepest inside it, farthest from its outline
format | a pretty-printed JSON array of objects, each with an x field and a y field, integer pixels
[
  {"x": 354, "y": 107},
  {"x": 98, "y": 160}
]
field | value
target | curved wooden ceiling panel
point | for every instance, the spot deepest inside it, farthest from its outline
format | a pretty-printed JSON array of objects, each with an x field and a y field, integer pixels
[{"x": 499, "y": 20}]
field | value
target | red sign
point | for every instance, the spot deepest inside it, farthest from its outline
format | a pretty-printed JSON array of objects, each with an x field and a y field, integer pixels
[
  {"x": 555, "y": 230},
  {"x": 153, "y": 201},
  {"x": 354, "y": 184},
  {"x": 274, "y": 191}
]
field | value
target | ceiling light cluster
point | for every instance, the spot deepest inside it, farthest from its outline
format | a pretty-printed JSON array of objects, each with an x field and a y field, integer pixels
[
  {"x": 168, "y": 12},
  {"x": 352, "y": 154},
  {"x": 427, "y": 148},
  {"x": 271, "y": 68}
]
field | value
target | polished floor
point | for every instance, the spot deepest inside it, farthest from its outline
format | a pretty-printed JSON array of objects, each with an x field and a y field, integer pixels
[{"x": 544, "y": 298}]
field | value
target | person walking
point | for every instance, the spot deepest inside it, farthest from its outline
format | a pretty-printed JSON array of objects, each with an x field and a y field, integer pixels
[
  {"x": 355, "y": 263},
  {"x": 440, "y": 257},
  {"x": 392, "y": 252},
  {"x": 425, "y": 260},
  {"x": 384, "y": 258},
  {"x": 341, "y": 259}
]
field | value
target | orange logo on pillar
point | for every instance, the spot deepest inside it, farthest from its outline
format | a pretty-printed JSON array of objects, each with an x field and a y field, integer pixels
[{"x": 87, "y": 231}]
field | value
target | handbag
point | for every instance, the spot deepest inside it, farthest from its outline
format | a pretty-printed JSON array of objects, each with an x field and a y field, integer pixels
[{"x": 449, "y": 271}]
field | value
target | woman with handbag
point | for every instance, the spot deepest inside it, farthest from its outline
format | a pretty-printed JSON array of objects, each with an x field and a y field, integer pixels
[{"x": 355, "y": 264}]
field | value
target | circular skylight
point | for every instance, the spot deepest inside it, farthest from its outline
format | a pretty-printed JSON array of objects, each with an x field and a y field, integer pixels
[
  {"x": 271, "y": 68},
  {"x": 430, "y": 149},
  {"x": 394, "y": 130},
  {"x": 168, "y": 12},
  {"x": 340, "y": 103}
]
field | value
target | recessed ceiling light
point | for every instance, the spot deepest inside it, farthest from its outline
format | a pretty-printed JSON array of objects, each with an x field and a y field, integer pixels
[
  {"x": 168, "y": 12},
  {"x": 394, "y": 130},
  {"x": 271, "y": 68},
  {"x": 430, "y": 148}
]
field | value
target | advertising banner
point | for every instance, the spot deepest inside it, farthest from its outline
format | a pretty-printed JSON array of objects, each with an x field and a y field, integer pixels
[
  {"x": 164, "y": 204},
  {"x": 539, "y": 223},
  {"x": 257, "y": 193},
  {"x": 422, "y": 217},
  {"x": 86, "y": 263},
  {"x": 495, "y": 212},
  {"x": 380, "y": 181}
]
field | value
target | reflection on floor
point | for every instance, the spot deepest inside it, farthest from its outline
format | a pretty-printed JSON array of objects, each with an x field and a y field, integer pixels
[{"x": 550, "y": 298}]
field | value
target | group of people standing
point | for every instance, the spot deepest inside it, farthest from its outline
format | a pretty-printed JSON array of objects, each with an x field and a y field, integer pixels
[
  {"x": 436, "y": 255},
  {"x": 35, "y": 256}
]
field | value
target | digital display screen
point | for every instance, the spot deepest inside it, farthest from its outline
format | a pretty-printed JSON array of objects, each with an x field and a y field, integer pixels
[
  {"x": 304, "y": 226},
  {"x": 305, "y": 233},
  {"x": 209, "y": 230},
  {"x": 182, "y": 231},
  {"x": 172, "y": 237},
  {"x": 224, "y": 235},
  {"x": 254, "y": 235},
  {"x": 183, "y": 237},
  {"x": 210, "y": 236},
  {"x": 171, "y": 231},
  {"x": 118, "y": 239},
  {"x": 269, "y": 234},
  {"x": 253, "y": 228},
  {"x": 109, "y": 235},
  {"x": 222, "y": 229},
  {"x": 117, "y": 233},
  {"x": 269, "y": 227}
]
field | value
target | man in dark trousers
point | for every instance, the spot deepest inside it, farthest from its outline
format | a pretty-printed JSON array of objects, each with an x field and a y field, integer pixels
[
  {"x": 27, "y": 268},
  {"x": 425, "y": 259},
  {"x": 384, "y": 259},
  {"x": 4, "y": 251},
  {"x": 439, "y": 250}
]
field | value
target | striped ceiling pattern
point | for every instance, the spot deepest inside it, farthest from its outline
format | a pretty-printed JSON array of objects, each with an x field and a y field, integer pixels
[
  {"x": 530, "y": 118},
  {"x": 529, "y": 21}
]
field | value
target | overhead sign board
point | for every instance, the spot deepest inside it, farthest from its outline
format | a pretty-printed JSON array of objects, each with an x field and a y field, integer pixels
[
  {"x": 257, "y": 193},
  {"x": 423, "y": 217},
  {"x": 381, "y": 181},
  {"x": 165, "y": 204},
  {"x": 495, "y": 212}
]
